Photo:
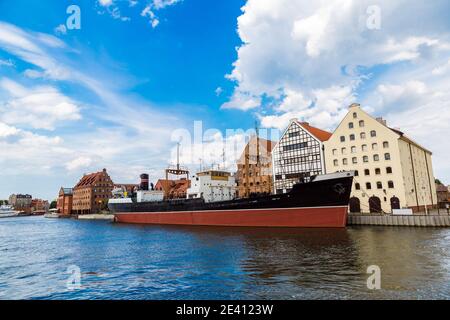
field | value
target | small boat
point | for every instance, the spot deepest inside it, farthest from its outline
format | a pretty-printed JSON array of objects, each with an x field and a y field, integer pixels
[{"x": 7, "y": 211}]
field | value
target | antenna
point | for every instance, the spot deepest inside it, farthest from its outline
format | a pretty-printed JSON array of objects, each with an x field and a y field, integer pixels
[
  {"x": 178, "y": 155},
  {"x": 223, "y": 158}
]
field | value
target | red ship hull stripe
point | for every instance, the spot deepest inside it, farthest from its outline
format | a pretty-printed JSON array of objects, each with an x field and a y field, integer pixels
[{"x": 320, "y": 217}]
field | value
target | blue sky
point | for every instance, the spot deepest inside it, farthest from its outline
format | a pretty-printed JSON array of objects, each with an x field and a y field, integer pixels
[{"x": 117, "y": 92}]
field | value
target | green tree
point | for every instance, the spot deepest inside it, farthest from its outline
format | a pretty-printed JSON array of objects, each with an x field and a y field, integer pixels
[
  {"x": 53, "y": 204},
  {"x": 1, "y": 202}
]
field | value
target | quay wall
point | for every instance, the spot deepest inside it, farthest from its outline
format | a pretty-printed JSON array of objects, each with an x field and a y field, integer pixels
[{"x": 399, "y": 220}]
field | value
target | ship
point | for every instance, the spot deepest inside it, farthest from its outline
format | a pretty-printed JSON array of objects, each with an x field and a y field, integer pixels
[
  {"x": 322, "y": 202},
  {"x": 7, "y": 211}
]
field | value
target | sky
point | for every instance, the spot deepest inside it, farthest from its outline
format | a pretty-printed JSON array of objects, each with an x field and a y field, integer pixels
[{"x": 115, "y": 84}]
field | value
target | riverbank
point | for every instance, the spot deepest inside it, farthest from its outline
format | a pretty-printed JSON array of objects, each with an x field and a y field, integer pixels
[
  {"x": 399, "y": 220},
  {"x": 108, "y": 217}
]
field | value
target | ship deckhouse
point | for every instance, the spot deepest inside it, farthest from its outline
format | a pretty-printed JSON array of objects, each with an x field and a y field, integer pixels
[
  {"x": 298, "y": 155},
  {"x": 212, "y": 185}
]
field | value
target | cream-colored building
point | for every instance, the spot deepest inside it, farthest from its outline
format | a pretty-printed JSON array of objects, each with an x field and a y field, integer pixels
[{"x": 392, "y": 171}]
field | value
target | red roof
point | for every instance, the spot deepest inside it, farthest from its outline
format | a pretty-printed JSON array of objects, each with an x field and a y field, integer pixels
[
  {"x": 320, "y": 134},
  {"x": 90, "y": 179}
]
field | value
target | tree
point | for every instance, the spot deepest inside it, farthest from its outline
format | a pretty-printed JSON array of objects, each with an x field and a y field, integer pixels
[
  {"x": 437, "y": 181},
  {"x": 53, "y": 204},
  {"x": 1, "y": 202}
]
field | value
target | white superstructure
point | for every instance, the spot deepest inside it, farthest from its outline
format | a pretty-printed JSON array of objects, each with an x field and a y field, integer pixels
[{"x": 212, "y": 185}]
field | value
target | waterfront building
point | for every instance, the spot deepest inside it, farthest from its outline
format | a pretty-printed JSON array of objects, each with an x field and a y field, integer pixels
[
  {"x": 212, "y": 185},
  {"x": 92, "y": 192},
  {"x": 173, "y": 189},
  {"x": 39, "y": 206},
  {"x": 65, "y": 201},
  {"x": 392, "y": 171},
  {"x": 127, "y": 188},
  {"x": 21, "y": 202},
  {"x": 443, "y": 195},
  {"x": 298, "y": 155},
  {"x": 254, "y": 168}
]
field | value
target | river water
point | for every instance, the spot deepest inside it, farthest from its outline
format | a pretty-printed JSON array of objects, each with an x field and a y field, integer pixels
[{"x": 37, "y": 256}]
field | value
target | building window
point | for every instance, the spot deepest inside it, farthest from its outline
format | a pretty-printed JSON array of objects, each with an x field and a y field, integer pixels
[
  {"x": 374, "y": 146},
  {"x": 362, "y": 135},
  {"x": 377, "y": 171},
  {"x": 344, "y": 150},
  {"x": 379, "y": 185},
  {"x": 376, "y": 157},
  {"x": 357, "y": 186},
  {"x": 373, "y": 133},
  {"x": 385, "y": 144},
  {"x": 342, "y": 139},
  {"x": 365, "y": 159},
  {"x": 391, "y": 184},
  {"x": 335, "y": 162},
  {"x": 334, "y": 152},
  {"x": 350, "y": 125},
  {"x": 352, "y": 137},
  {"x": 361, "y": 123},
  {"x": 354, "y": 160},
  {"x": 355, "y": 115},
  {"x": 367, "y": 172},
  {"x": 356, "y": 173},
  {"x": 368, "y": 186},
  {"x": 387, "y": 156},
  {"x": 364, "y": 147},
  {"x": 344, "y": 161},
  {"x": 353, "y": 149},
  {"x": 388, "y": 170}
]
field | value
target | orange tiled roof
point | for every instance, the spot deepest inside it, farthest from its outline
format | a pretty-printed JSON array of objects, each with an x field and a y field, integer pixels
[
  {"x": 89, "y": 179},
  {"x": 320, "y": 134}
]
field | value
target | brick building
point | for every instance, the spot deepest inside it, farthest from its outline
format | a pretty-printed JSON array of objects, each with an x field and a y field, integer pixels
[
  {"x": 257, "y": 173},
  {"x": 65, "y": 201},
  {"x": 92, "y": 192},
  {"x": 39, "y": 206}
]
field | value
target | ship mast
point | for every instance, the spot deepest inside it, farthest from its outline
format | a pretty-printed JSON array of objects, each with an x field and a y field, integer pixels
[{"x": 177, "y": 172}]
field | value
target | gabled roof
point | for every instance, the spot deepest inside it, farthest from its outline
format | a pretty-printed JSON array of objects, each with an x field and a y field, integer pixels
[
  {"x": 320, "y": 134},
  {"x": 265, "y": 148},
  {"x": 405, "y": 138},
  {"x": 90, "y": 179},
  {"x": 66, "y": 191}
]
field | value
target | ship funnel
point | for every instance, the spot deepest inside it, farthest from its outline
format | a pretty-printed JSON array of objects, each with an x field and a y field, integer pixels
[{"x": 144, "y": 182}]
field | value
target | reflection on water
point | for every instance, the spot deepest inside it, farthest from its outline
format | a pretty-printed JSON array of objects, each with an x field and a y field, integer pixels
[{"x": 168, "y": 262}]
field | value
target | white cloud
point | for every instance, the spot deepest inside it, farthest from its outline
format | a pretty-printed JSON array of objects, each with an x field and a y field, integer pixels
[
  {"x": 78, "y": 163},
  {"x": 39, "y": 107},
  {"x": 155, "y": 5},
  {"x": 314, "y": 58},
  {"x": 6, "y": 131},
  {"x": 242, "y": 101},
  {"x": 7, "y": 63}
]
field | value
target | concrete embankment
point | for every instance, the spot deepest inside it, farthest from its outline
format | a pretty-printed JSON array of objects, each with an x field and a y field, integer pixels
[
  {"x": 108, "y": 217},
  {"x": 400, "y": 220}
]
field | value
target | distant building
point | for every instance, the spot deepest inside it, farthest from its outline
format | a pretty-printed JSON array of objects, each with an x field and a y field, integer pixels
[
  {"x": 212, "y": 185},
  {"x": 173, "y": 189},
  {"x": 127, "y": 188},
  {"x": 39, "y": 205},
  {"x": 443, "y": 195},
  {"x": 392, "y": 171},
  {"x": 92, "y": 192},
  {"x": 298, "y": 155},
  {"x": 254, "y": 167},
  {"x": 65, "y": 201},
  {"x": 21, "y": 202}
]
